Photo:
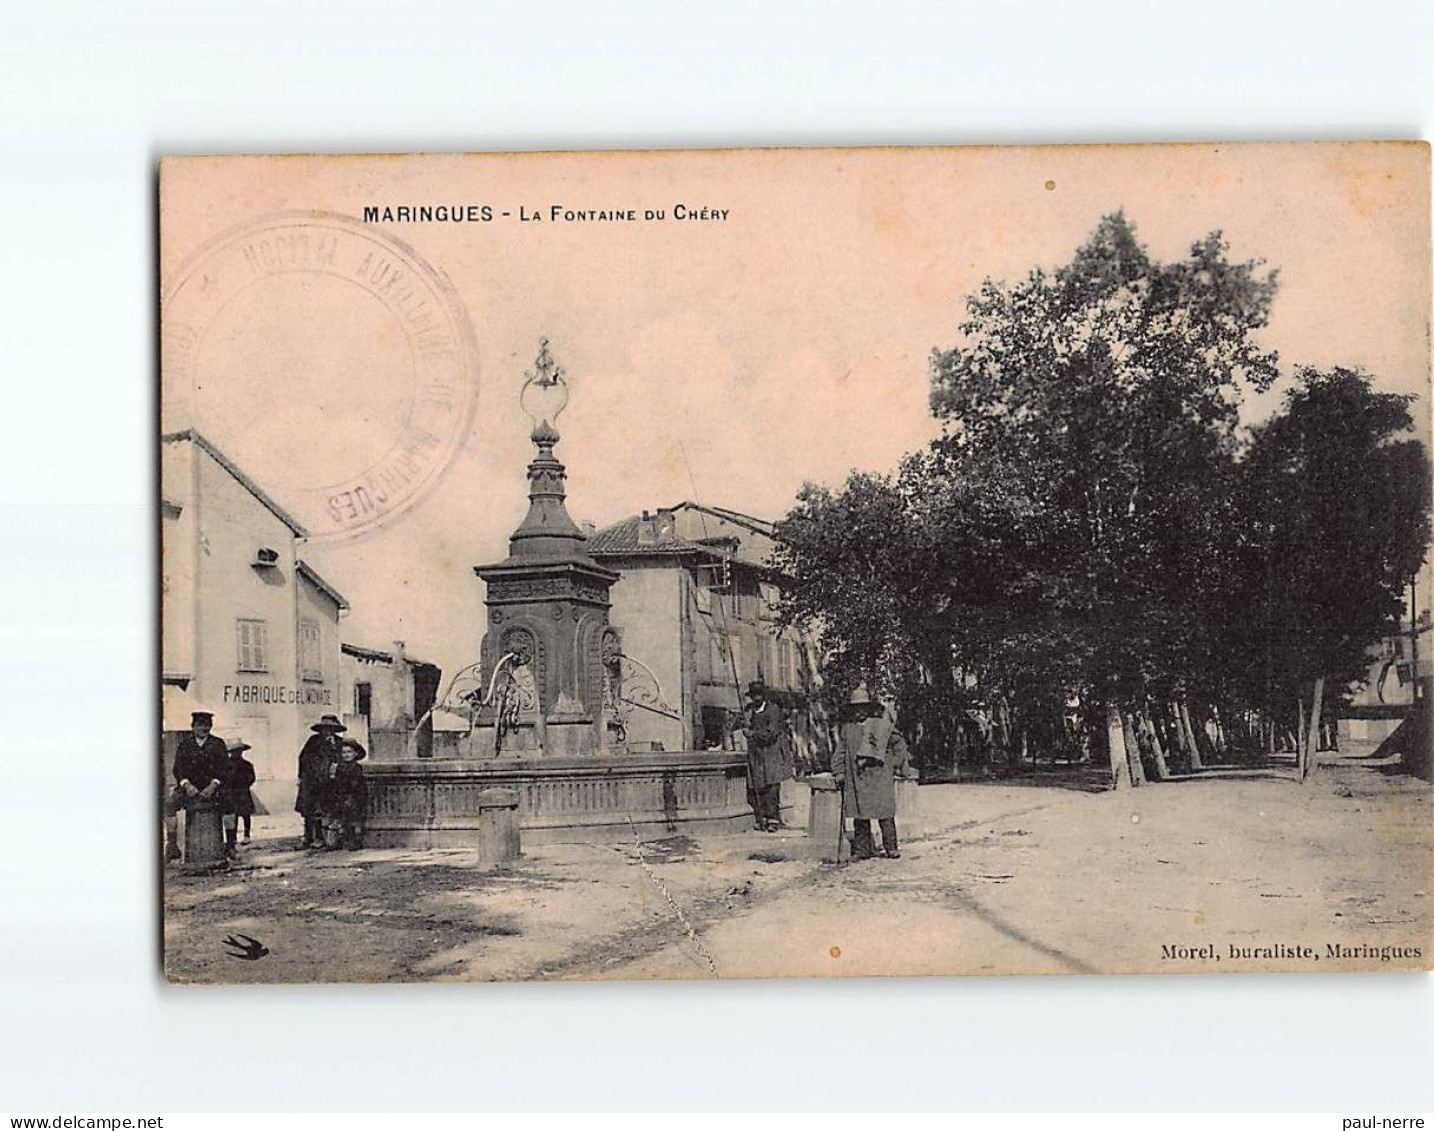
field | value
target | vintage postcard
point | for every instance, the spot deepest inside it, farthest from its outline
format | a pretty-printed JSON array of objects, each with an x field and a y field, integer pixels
[{"x": 767, "y": 563}]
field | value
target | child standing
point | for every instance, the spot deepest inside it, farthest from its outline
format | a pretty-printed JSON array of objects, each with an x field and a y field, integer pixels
[
  {"x": 347, "y": 801},
  {"x": 236, "y": 800}
]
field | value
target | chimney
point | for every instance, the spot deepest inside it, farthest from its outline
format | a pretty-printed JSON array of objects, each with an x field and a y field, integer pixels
[
  {"x": 666, "y": 524},
  {"x": 401, "y": 677},
  {"x": 646, "y": 532},
  {"x": 589, "y": 527}
]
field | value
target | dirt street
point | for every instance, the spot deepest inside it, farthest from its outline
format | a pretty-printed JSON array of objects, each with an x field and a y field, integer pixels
[{"x": 1235, "y": 870}]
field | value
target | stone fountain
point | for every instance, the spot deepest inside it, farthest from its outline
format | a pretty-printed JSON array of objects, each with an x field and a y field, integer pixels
[
  {"x": 547, "y": 656},
  {"x": 545, "y": 702}
]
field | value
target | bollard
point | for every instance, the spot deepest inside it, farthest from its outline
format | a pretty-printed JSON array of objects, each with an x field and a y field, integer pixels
[
  {"x": 908, "y": 810},
  {"x": 825, "y": 826},
  {"x": 498, "y": 837},
  {"x": 203, "y": 834},
  {"x": 796, "y": 801}
]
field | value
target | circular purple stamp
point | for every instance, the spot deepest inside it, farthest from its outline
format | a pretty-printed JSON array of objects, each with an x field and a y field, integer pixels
[{"x": 327, "y": 359}]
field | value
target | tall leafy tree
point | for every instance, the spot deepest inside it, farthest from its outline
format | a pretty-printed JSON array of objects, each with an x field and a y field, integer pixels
[
  {"x": 1337, "y": 494},
  {"x": 1117, "y": 378},
  {"x": 1093, "y": 523},
  {"x": 890, "y": 570}
]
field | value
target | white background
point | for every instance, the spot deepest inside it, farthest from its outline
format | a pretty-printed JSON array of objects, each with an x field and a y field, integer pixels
[{"x": 93, "y": 93}]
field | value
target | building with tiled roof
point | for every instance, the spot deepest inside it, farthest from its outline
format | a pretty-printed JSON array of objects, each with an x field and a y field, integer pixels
[
  {"x": 250, "y": 629},
  {"x": 387, "y": 698},
  {"x": 697, "y": 603}
]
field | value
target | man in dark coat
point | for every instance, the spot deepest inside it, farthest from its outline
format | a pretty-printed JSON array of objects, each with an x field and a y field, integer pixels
[
  {"x": 320, "y": 752},
  {"x": 200, "y": 764},
  {"x": 869, "y": 758},
  {"x": 234, "y": 797},
  {"x": 769, "y": 757}
]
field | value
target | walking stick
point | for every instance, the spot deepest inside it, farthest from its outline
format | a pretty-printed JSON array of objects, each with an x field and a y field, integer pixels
[{"x": 849, "y": 762}]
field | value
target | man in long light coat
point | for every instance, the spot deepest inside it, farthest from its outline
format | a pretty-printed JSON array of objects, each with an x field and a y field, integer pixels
[{"x": 869, "y": 758}]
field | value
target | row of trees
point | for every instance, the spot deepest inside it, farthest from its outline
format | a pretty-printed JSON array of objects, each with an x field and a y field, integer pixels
[{"x": 1096, "y": 540}]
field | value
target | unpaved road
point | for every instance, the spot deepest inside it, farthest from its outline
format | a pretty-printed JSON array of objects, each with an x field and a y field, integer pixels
[{"x": 1028, "y": 878}]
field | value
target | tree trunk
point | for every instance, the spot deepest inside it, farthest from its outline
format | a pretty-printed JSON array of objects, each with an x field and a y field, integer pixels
[
  {"x": 1174, "y": 735},
  {"x": 945, "y": 733},
  {"x": 1162, "y": 768},
  {"x": 1203, "y": 742},
  {"x": 1119, "y": 763},
  {"x": 1300, "y": 738},
  {"x": 1222, "y": 740},
  {"x": 1188, "y": 733},
  {"x": 1312, "y": 732},
  {"x": 1131, "y": 737},
  {"x": 1176, "y": 732},
  {"x": 1001, "y": 730}
]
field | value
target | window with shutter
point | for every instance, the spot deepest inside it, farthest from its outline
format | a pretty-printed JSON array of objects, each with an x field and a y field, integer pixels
[
  {"x": 310, "y": 657},
  {"x": 253, "y": 645}
]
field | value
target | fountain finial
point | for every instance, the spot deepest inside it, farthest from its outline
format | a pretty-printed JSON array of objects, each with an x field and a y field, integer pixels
[{"x": 544, "y": 395}]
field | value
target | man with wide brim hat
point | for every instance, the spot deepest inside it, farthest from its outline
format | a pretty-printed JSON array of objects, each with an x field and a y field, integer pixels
[
  {"x": 200, "y": 763},
  {"x": 869, "y": 758},
  {"x": 320, "y": 751},
  {"x": 767, "y": 762}
]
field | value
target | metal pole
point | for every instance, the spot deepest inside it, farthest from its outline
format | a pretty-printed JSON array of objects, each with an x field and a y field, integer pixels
[{"x": 1414, "y": 636}]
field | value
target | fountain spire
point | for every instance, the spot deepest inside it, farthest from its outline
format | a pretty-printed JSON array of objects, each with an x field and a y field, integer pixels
[
  {"x": 547, "y": 608},
  {"x": 547, "y": 532}
]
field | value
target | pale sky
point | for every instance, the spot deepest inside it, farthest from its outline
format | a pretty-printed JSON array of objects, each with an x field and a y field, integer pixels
[{"x": 788, "y": 342}]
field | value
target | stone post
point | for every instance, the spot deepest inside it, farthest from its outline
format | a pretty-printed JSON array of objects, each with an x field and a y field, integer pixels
[
  {"x": 825, "y": 826},
  {"x": 797, "y": 801},
  {"x": 498, "y": 838},
  {"x": 203, "y": 834}
]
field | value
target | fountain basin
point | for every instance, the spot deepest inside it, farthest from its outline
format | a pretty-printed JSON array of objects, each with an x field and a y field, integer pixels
[{"x": 605, "y": 796}]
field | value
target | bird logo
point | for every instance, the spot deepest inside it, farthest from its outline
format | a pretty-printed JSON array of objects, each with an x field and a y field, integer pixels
[{"x": 249, "y": 950}]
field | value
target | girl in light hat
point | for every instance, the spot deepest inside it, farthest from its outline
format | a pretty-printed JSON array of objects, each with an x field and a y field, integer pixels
[{"x": 235, "y": 797}]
